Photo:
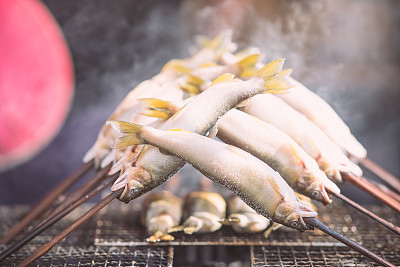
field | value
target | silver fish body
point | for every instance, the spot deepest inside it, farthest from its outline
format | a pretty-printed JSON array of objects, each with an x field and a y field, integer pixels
[
  {"x": 153, "y": 167},
  {"x": 252, "y": 180}
]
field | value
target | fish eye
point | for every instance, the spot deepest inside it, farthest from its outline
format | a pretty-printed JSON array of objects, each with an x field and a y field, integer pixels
[
  {"x": 315, "y": 194},
  {"x": 294, "y": 224}
]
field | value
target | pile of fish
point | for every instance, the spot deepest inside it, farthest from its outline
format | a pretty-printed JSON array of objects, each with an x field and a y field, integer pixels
[
  {"x": 277, "y": 136},
  {"x": 202, "y": 212}
]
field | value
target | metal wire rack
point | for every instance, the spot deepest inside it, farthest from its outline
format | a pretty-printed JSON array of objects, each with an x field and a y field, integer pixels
[{"x": 116, "y": 238}]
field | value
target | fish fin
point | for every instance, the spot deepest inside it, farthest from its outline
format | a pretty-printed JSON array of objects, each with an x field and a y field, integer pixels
[
  {"x": 277, "y": 84},
  {"x": 272, "y": 68},
  {"x": 208, "y": 64},
  {"x": 131, "y": 133},
  {"x": 285, "y": 72},
  {"x": 243, "y": 103},
  {"x": 273, "y": 82},
  {"x": 158, "y": 108},
  {"x": 213, "y": 131},
  {"x": 227, "y": 77},
  {"x": 172, "y": 64},
  {"x": 190, "y": 88},
  {"x": 195, "y": 80},
  {"x": 154, "y": 103},
  {"x": 248, "y": 65},
  {"x": 275, "y": 186},
  {"x": 179, "y": 130}
]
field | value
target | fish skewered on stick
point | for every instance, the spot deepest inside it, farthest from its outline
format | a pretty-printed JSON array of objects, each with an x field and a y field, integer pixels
[
  {"x": 161, "y": 212},
  {"x": 252, "y": 180},
  {"x": 203, "y": 212},
  {"x": 328, "y": 155},
  {"x": 153, "y": 167},
  {"x": 322, "y": 114},
  {"x": 269, "y": 144}
]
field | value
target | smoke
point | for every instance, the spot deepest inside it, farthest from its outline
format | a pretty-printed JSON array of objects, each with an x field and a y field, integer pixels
[{"x": 346, "y": 51}]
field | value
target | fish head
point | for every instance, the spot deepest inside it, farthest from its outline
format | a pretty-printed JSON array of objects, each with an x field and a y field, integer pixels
[
  {"x": 317, "y": 191},
  {"x": 310, "y": 183},
  {"x": 133, "y": 180},
  {"x": 291, "y": 215}
]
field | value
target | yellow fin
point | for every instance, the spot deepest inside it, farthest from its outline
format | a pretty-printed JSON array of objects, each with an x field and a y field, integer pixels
[
  {"x": 179, "y": 130},
  {"x": 208, "y": 64},
  {"x": 274, "y": 67},
  {"x": 177, "y": 65},
  {"x": 227, "y": 77},
  {"x": 194, "y": 80},
  {"x": 276, "y": 84},
  {"x": 274, "y": 185},
  {"x": 249, "y": 61},
  {"x": 190, "y": 88},
  {"x": 285, "y": 72},
  {"x": 161, "y": 114},
  {"x": 248, "y": 65},
  {"x": 171, "y": 64},
  {"x": 131, "y": 131},
  {"x": 158, "y": 108},
  {"x": 155, "y": 103}
]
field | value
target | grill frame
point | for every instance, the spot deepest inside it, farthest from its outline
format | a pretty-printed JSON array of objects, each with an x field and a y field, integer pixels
[{"x": 93, "y": 244}]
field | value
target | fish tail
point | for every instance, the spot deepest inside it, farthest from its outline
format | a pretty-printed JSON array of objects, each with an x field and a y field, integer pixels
[
  {"x": 158, "y": 108},
  {"x": 274, "y": 83},
  {"x": 192, "y": 84},
  {"x": 131, "y": 133},
  {"x": 248, "y": 65}
]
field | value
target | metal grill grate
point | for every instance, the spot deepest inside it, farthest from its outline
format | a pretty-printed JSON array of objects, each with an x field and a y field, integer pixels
[
  {"x": 116, "y": 238},
  {"x": 78, "y": 248},
  {"x": 306, "y": 256},
  {"x": 127, "y": 230}
]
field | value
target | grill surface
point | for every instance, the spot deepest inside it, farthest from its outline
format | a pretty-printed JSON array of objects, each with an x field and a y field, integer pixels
[{"x": 116, "y": 238}]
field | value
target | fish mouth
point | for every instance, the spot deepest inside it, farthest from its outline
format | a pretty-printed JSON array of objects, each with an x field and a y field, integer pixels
[
  {"x": 326, "y": 199},
  {"x": 132, "y": 187}
]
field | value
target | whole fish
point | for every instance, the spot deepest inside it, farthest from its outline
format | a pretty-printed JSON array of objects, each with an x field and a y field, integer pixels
[
  {"x": 269, "y": 144},
  {"x": 252, "y": 180},
  {"x": 202, "y": 213},
  {"x": 161, "y": 212},
  {"x": 328, "y": 155},
  {"x": 153, "y": 167},
  {"x": 322, "y": 114},
  {"x": 242, "y": 218}
]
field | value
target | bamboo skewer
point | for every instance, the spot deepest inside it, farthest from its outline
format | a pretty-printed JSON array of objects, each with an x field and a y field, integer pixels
[
  {"x": 392, "y": 180},
  {"x": 380, "y": 220},
  {"x": 384, "y": 189},
  {"x": 46, "y": 247},
  {"x": 366, "y": 186},
  {"x": 43, "y": 205},
  {"x": 354, "y": 245},
  {"x": 78, "y": 193},
  {"x": 50, "y": 221}
]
